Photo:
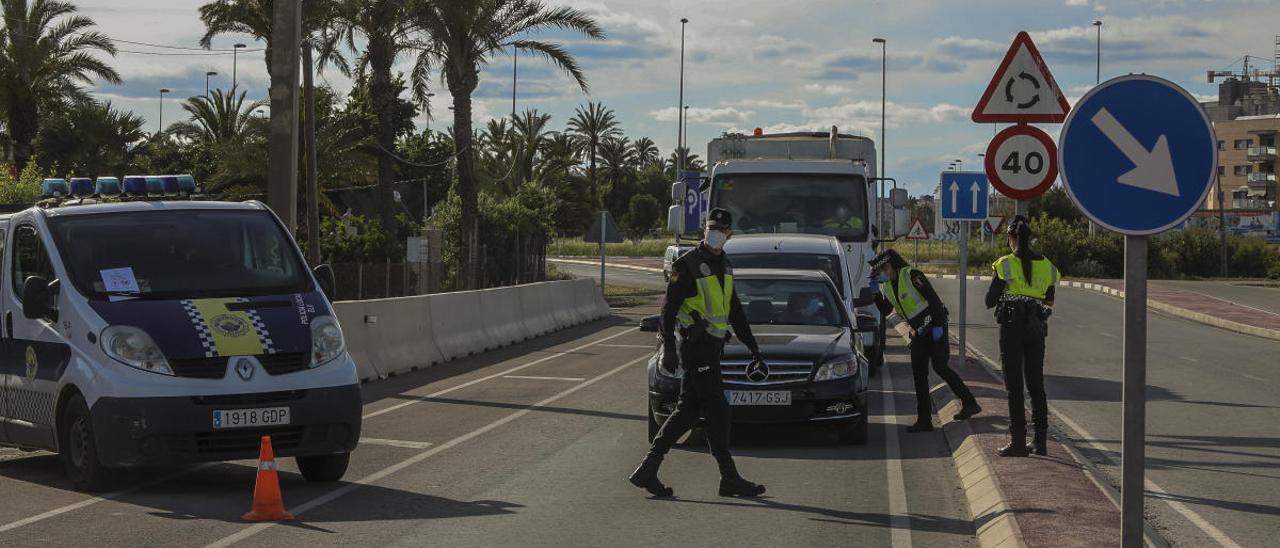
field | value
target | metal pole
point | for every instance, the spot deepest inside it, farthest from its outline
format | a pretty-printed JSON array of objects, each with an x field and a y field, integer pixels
[
  {"x": 282, "y": 156},
  {"x": 1133, "y": 427},
  {"x": 602, "y": 233},
  {"x": 679, "y": 115},
  {"x": 1097, "y": 79},
  {"x": 964, "y": 277},
  {"x": 160, "y": 129},
  {"x": 515, "y": 67},
  {"x": 884, "y": 76},
  {"x": 1022, "y": 207},
  {"x": 313, "y": 185},
  {"x": 1222, "y": 225}
]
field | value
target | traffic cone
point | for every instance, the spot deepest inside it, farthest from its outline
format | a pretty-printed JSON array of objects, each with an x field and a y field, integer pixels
[{"x": 268, "y": 505}]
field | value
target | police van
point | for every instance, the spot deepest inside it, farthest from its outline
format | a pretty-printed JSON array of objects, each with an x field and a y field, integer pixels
[{"x": 141, "y": 333}]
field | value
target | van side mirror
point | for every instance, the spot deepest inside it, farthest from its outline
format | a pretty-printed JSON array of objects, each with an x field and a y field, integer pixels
[
  {"x": 37, "y": 299},
  {"x": 328, "y": 283}
]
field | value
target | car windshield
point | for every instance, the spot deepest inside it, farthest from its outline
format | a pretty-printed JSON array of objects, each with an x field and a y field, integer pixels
[
  {"x": 828, "y": 264},
  {"x": 834, "y": 205},
  {"x": 178, "y": 254},
  {"x": 789, "y": 302}
]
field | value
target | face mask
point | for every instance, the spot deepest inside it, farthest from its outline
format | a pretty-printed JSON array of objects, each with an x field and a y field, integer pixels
[{"x": 716, "y": 239}]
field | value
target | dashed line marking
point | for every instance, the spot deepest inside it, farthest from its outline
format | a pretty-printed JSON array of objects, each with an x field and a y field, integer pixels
[
  {"x": 396, "y": 443},
  {"x": 533, "y": 378}
]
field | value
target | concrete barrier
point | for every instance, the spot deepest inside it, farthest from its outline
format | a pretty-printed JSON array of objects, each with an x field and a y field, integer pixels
[
  {"x": 401, "y": 334},
  {"x": 500, "y": 311},
  {"x": 536, "y": 304},
  {"x": 456, "y": 324},
  {"x": 562, "y": 303},
  {"x": 351, "y": 318},
  {"x": 588, "y": 302}
]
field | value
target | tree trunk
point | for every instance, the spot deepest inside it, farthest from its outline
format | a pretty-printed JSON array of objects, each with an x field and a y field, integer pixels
[
  {"x": 462, "y": 137},
  {"x": 591, "y": 162},
  {"x": 24, "y": 122},
  {"x": 383, "y": 95}
]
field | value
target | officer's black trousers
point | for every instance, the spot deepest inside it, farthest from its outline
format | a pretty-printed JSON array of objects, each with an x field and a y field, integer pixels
[
  {"x": 1022, "y": 358},
  {"x": 701, "y": 395},
  {"x": 923, "y": 351}
]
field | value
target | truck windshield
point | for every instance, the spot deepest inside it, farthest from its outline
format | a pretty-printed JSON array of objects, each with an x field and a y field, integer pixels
[
  {"x": 789, "y": 302},
  {"x": 828, "y": 264},
  {"x": 834, "y": 205},
  {"x": 178, "y": 254}
]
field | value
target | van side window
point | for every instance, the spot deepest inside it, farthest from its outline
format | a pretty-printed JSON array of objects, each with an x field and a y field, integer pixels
[{"x": 29, "y": 257}]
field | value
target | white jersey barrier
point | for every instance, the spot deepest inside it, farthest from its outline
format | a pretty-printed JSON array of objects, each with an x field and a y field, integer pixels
[{"x": 393, "y": 336}]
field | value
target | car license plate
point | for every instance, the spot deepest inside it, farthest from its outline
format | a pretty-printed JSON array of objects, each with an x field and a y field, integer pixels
[
  {"x": 759, "y": 397},
  {"x": 241, "y": 418}
]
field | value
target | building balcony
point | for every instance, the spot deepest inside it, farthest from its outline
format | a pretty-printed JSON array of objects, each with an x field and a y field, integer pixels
[
  {"x": 1258, "y": 178},
  {"x": 1261, "y": 154}
]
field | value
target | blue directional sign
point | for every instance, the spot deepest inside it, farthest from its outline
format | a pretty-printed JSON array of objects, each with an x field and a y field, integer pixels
[
  {"x": 694, "y": 208},
  {"x": 964, "y": 195},
  {"x": 1138, "y": 154}
]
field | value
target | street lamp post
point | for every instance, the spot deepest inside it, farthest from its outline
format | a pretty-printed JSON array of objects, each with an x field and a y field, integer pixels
[
  {"x": 680, "y": 112},
  {"x": 206, "y": 82},
  {"x": 684, "y": 123},
  {"x": 884, "y": 75},
  {"x": 959, "y": 164},
  {"x": 160, "y": 129},
  {"x": 515, "y": 67},
  {"x": 1097, "y": 79},
  {"x": 234, "y": 51}
]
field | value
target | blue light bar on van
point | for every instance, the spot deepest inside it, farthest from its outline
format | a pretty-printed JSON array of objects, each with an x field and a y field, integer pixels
[
  {"x": 186, "y": 184},
  {"x": 135, "y": 185},
  {"x": 108, "y": 186},
  {"x": 170, "y": 183},
  {"x": 54, "y": 188},
  {"x": 81, "y": 187},
  {"x": 155, "y": 186}
]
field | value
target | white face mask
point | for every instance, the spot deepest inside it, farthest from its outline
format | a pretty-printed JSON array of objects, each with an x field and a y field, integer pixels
[{"x": 715, "y": 239}]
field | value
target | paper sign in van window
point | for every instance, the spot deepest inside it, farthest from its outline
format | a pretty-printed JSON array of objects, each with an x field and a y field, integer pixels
[{"x": 119, "y": 280}]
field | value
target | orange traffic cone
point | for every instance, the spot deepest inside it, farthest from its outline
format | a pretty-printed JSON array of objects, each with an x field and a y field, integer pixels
[{"x": 268, "y": 505}]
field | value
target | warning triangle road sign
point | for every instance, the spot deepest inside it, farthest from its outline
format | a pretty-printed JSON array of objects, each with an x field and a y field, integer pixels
[
  {"x": 917, "y": 231},
  {"x": 1022, "y": 89}
]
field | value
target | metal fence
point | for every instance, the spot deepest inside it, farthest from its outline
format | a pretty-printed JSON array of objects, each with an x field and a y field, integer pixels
[
  {"x": 379, "y": 280},
  {"x": 520, "y": 260}
]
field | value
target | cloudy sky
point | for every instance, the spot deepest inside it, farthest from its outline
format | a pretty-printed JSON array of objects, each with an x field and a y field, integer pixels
[{"x": 778, "y": 65}]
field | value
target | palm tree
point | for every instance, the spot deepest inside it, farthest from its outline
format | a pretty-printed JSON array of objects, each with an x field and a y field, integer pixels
[
  {"x": 646, "y": 151},
  {"x": 531, "y": 134},
  {"x": 253, "y": 17},
  {"x": 89, "y": 139},
  {"x": 219, "y": 118},
  {"x": 44, "y": 53},
  {"x": 592, "y": 125},
  {"x": 461, "y": 38},
  {"x": 691, "y": 162}
]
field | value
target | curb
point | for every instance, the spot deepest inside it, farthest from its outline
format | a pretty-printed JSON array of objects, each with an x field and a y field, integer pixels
[
  {"x": 993, "y": 521},
  {"x": 590, "y": 263}
]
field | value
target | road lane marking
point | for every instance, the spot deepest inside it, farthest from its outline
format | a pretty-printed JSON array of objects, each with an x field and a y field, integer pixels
[
  {"x": 1190, "y": 359},
  {"x": 474, "y": 382},
  {"x": 1254, "y": 377},
  {"x": 109, "y": 496},
  {"x": 533, "y": 378},
  {"x": 641, "y": 346},
  {"x": 396, "y": 443},
  {"x": 899, "y": 524},
  {"x": 376, "y": 476}
]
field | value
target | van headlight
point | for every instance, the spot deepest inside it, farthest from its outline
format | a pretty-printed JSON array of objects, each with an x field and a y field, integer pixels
[
  {"x": 839, "y": 368},
  {"x": 134, "y": 348},
  {"x": 326, "y": 340}
]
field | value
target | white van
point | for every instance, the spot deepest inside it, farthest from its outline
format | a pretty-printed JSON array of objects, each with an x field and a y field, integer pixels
[{"x": 163, "y": 332}]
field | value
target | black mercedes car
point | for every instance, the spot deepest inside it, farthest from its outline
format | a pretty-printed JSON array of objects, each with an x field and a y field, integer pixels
[{"x": 815, "y": 373}]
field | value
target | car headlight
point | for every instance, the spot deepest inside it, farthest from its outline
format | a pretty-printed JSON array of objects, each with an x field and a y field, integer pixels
[
  {"x": 677, "y": 374},
  {"x": 134, "y": 348},
  {"x": 838, "y": 368},
  {"x": 326, "y": 340}
]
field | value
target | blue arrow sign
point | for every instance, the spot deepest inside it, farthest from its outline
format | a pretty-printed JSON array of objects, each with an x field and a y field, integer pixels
[
  {"x": 1138, "y": 154},
  {"x": 964, "y": 195}
]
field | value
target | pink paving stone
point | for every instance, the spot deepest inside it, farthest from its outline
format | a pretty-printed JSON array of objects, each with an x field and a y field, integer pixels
[{"x": 1205, "y": 304}]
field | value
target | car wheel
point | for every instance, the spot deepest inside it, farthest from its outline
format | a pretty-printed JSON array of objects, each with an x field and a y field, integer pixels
[
  {"x": 79, "y": 448},
  {"x": 654, "y": 425},
  {"x": 323, "y": 468},
  {"x": 854, "y": 434}
]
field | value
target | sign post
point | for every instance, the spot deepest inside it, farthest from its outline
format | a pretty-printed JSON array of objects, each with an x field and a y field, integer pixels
[
  {"x": 964, "y": 199},
  {"x": 1138, "y": 156},
  {"x": 603, "y": 230}
]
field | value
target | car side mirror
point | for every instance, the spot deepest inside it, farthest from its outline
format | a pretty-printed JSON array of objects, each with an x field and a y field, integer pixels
[
  {"x": 328, "y": 283},
  {"x": 649, "y": 324},
  {"x": 37, "y": 299},
  {"x": 866, "y": 324}
]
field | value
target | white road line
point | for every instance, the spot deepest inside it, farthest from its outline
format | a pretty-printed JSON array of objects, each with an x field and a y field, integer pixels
[
  {"x": 404, "y": 404},
  {"x": 91, "y": 501},
  {"x": 1254, "y": 377},
  {"x": 376, "y": 476},
  {"x": 535, "y": 378},
  {"x": 396, "y": 443},
  {"x": 1108, "y": 335},
  {"x": 899, "y": 523},
  {"x": 1190, "y": 359},
  {"x": 641, "y": 346}
]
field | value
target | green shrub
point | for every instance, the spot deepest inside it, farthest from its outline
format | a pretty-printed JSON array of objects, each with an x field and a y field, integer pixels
[{"x": 25, "y": 189}]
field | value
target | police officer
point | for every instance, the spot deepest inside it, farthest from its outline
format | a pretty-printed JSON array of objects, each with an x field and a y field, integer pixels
[
  {"x": 907, "y": 291},
  {"x": 842, "y": 219},
  {"x": 1022, "y": 291},
  {"x": 701, "y": 300}
]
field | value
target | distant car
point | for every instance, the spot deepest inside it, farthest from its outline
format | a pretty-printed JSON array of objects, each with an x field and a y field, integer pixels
[
  {"x": 673, "y": 252},
  {"x": 816, "y": 372}
]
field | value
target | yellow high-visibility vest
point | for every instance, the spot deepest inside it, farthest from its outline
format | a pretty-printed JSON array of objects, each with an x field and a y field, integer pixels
[
  {"x": 908, "y": 302},
  {"x": 712, "y": 300},
  {"x": 1043, "y": 276}
]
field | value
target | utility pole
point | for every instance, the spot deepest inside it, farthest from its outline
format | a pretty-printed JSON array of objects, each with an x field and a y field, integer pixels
[
  {"x": 309, "y": 136},
  {"x": 234, "y": 51},
  {"x": 207, "y": 74},
  {"x": 680, "y": 111},
  {"x": 160, "y": 129},
  {"x": 880, "y": 169},
  {"x": 282, "y": 173},
  {"x": 1097, "y": 79}
]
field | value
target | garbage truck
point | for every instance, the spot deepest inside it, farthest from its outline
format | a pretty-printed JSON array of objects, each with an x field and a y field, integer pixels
[{"x": 802, "y": 183}]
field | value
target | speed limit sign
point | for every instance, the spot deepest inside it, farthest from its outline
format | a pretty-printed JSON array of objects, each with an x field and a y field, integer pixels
[{"x": 1022, "y": 162}]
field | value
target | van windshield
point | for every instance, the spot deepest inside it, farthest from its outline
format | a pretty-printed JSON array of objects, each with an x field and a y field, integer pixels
[
  {"x": 830, "y": 204},
  {"x": 828, "y": 264},
  {"x": 178, "y": 254}
]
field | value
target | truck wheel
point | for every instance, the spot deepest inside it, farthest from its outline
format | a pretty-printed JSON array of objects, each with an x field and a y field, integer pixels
[
  {"x": 854, "y": 434},
  {"x": 653, "y": 426},
  {"x": 323, "y": 468},
  {"x": 79, "y": 448}
]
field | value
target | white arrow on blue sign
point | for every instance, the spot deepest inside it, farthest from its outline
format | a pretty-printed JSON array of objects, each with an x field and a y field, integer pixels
[
  {"x": 964, "y": 195},
  {"x": 1138, "y": 155}
]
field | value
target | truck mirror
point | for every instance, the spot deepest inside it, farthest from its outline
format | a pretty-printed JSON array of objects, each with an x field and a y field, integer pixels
[
  {"x": 901, "y": 222},
  {"x": 899, "y": 197},
  {"x": 37, "y": 299},
  {"x": 675, "y": 219},
  {"x": 677, "y": 192},
  {"x": 327, "y": 281}
]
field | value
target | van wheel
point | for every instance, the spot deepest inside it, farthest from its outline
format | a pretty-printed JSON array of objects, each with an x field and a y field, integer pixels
[
  {"x": 79, "y": 448},
  {"x": 854, "y": 434},
  {"x": 653, "y": 426},
  {"x": 323, "y": 468}
]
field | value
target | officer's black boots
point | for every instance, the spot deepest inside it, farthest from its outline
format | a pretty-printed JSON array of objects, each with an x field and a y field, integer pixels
[
  {"x": 1017, "y": 445},
  {"x": 1040, "y": 444},
  {"x": 737, "y": 487},
  {"x": 923, "y": 424},
  {"x": 969, "y": 409},
  {"x": 646, "y": 477}
]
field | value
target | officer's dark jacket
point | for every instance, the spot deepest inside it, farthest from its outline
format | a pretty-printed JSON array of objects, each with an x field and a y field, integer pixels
[
  {"x": 937, "y": 312},
  {"x": 684, "y": 284},
  {"x": 997, "y": 285}
]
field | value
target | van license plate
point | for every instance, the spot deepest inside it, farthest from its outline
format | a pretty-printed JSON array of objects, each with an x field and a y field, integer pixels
[
  {"x": 240, "y": 418},
  {"x": 759, "y": 397}
]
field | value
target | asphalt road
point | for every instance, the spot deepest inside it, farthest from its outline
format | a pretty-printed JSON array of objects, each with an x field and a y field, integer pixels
[
  {"x": 614, "y": 276},
  {"x": 1213, "y": 455},
  {"x": 527, "y": 446},
  {"x": 1262, "y": 295}
]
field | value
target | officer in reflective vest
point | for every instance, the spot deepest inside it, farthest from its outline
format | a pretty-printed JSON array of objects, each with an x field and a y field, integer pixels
[
  {"x": 1021, "y": 291},
  {"x": 701, "y": 301},
  {"x": 907, "y": 292}
]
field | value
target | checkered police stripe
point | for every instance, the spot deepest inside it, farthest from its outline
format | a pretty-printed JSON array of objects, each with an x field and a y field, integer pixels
[
  {"x": 202, "y": 329},
  {"x": 260, "y": 328}
]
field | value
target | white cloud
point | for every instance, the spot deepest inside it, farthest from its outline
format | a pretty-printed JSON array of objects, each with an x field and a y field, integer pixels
[
  {"x": 827, "y": 89},
  {"x": 1077, "y": 2},
  {"x": 769, "y": 103},
  {"x": 724, "y": 116}
]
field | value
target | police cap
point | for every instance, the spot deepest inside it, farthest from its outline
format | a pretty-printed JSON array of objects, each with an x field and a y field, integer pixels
[
  {"x": 1019, "y": 227},
  {"x": 719, "y": 218}
]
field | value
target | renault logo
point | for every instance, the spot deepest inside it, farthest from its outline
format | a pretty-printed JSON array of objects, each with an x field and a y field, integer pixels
[
  {"x": 244, "y": 368},
  {"x": 757, "y": 371}
]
